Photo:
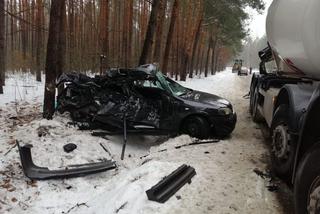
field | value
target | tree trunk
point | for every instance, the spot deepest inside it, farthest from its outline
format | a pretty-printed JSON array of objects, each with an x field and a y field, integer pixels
[
  {"x": 2, "y": 46},
  {"x": 104, "y": 31},
  {"x": 114, "y": 32},
  {"x": 130, "y": 37},
  {"x": 202, "y": 60},
  {"x": 216, "y": 58},
  {"x": 178, "y": 45},
  {"x": 52, "y": 61},
  {"x": 119, "y": 32},
  {"x": 187, "y": 37},
  {"x": 147, "y": 46},
  {"x": 174, "y": 15},
  {"x": 208, "y": 56},
  {"x": 195, "y": 44},
  {"x": 38, "y": 40},
  {"x": 213, "y": 56},
  {"x": 161, "y": 18},
  {"x": 71, "y": 34},
  {"x": 125, "y": 32},
  {"x": 199, "y": 54},
  {"x": 62, "y": 41}
]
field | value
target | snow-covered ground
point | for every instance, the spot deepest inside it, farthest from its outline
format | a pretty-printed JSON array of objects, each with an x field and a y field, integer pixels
[
  {"x": 21, "y": 87},
  {"x": 225, "y": 180}
]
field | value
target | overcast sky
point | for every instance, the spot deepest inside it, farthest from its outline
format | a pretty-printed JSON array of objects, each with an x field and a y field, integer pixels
[{"x": 257, "y": 23}]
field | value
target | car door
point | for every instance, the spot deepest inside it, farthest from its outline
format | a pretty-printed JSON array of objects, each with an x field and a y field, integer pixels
[{"x": 156, "y": 97}]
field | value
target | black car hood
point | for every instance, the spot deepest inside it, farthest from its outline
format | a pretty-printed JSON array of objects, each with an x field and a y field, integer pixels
[{"x": 206, "y": 98}]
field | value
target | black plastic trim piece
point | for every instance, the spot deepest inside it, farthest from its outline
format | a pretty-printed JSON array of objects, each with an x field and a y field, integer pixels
[
  {"x": 41, "y": 173},
  {"x": 167, "y": 187}
]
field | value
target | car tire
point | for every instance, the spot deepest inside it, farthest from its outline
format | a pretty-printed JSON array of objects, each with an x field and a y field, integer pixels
[
  {"x": 256, "y": 116},
  {"x": 196, "y": 126},
  {"x": 307, "y": 183},
  {"x": 283, "y": 145}
]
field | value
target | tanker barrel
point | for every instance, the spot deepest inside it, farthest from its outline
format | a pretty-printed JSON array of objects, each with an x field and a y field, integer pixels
[{"x": 293, "y": 31}]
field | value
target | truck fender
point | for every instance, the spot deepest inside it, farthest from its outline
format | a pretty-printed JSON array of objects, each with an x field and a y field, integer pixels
[
  {"x": 309, "y": 132},
  {"x": 297, "y": 98}
]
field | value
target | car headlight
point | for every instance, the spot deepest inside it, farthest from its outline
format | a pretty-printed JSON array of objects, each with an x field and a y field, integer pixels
[{"x": 225, "y": 111}]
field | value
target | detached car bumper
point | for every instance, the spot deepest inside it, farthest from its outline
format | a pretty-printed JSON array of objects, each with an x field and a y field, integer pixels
[{"x": 224, "y": 125}]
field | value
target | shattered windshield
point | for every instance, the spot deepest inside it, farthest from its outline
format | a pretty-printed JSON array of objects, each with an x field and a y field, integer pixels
[
  {"x": 164, "y": 82},
  {"x": 171, "y": 86}
]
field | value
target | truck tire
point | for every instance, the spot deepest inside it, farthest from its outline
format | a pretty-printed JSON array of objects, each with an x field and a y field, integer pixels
[
  {"x": 252, "y": 91},
  {"x": 283, "y": 146},
  {"x": 307, "y": 183},
  {"x": 196, "y": 126},
  {"x": 256, "y": 116}
]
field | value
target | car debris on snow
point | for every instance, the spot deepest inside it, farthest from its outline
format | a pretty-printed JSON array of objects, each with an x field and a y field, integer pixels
[
  {"x": 40, "y": 173},
  {"x": 193, "y": 143},
  {"x": 167, "y": 187},
  {"x": 69, "y": 147},
  {"x": 273, "y": 185}
]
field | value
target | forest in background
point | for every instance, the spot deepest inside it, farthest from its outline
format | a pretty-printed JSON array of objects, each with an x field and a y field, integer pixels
[
  {"x": 250, "y": 51},
  {"x": 185, "y": 37}
]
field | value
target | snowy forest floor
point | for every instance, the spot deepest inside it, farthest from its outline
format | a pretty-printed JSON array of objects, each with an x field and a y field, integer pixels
[{"x": 225, "y": 180}]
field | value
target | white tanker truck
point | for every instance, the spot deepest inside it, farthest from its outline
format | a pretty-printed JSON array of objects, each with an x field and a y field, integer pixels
[{"x": 288, "y": 98}]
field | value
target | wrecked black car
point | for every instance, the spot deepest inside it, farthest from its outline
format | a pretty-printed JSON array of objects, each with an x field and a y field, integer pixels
[{"x": 148, "y": 101}]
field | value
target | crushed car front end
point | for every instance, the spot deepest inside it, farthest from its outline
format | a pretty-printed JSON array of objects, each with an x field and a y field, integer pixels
[{"x": 223, "y": 125}]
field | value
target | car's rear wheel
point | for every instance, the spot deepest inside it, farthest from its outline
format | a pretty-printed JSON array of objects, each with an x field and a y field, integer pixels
[
  {"x": 283, "y": 146},
  {"x": 196, "y": 126},
  {"x": 307, "y": 183}
]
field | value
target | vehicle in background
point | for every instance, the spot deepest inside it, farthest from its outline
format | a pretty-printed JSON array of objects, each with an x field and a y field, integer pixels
[
  {"x": 237, "y": 65},
  {"x": 243, "y": 71},
  {"x": 148, "y": 101},
  {"x": 288, "y": 98}
]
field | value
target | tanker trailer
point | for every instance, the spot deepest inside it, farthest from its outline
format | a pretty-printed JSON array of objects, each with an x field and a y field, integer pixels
[{"x": 288, "y": 97}]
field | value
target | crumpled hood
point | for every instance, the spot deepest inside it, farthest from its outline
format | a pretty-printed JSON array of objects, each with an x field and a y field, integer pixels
[{"x": 206, "y": 98}]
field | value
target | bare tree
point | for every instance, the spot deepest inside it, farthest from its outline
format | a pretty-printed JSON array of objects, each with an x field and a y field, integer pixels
[
  {"x": 160, "y": 24},
  {"x": 38, "y": 39},
  {"x": 53, "y": 62},
  {"x": 147, "y": 46},
  {"x": 174, "y": 15},
  {"x": 196, "y": 41},
  {"x": 104, "y": 30},
  {"x": 2, "y": 46}
]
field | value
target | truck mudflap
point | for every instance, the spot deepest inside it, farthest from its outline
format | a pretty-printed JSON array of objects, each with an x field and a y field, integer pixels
[
  {"x": 41, "y": 173},
  {"x": 167, "y": 187}
]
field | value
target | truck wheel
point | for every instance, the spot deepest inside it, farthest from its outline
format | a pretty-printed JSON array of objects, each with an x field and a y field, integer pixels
[
  {"x": 196, "y": 126},
  {"x": 252, "y": 91},
  {"x": 283, "y": 146},
  {"x": 256, "y": 116},
  {"x": 307, "y": 183}
]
